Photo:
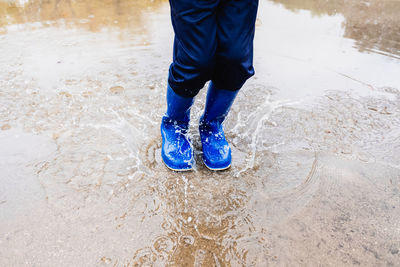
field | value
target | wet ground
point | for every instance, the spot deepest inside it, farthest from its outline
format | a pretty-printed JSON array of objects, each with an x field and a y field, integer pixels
[{"x": 315, "y": 136}]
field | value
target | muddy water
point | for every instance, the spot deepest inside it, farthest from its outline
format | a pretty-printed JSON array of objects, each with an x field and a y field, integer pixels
[{"x": 315, "y": 136}]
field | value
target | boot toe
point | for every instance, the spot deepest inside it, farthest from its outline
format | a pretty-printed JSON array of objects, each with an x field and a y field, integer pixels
[
  {"x": 177, "y": 158},
  {"x": 176, "y": 150},
  {"x": 217, "y": 157}
]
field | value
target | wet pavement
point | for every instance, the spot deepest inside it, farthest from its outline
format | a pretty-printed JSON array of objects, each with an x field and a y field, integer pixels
[{"x": 315, "y": 137}]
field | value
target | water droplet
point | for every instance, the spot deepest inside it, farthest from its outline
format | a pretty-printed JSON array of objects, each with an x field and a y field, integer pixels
[{"x": 187, "y": 240}]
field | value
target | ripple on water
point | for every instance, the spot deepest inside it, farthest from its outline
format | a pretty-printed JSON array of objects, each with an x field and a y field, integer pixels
[{"x": 163, "y": 245}]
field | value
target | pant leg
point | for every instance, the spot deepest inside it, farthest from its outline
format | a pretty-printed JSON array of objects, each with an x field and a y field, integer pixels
[
  {"x": 235, "y": 35},
  {"x": 195, "y": 27}
]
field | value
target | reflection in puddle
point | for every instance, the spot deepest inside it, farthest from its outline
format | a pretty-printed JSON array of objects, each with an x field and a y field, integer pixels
[
  {"x": 315, "y": 139},
  {"x": 92, "y": 15},
  {"x": 307, "y": 55},
  {"x": 374, "y": 24}
]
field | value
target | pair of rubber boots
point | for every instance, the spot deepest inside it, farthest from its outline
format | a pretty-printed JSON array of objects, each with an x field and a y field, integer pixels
[{"x": 177, "y": 150}]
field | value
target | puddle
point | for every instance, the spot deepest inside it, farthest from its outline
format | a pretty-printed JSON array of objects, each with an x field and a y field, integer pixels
[{"x": 315, "y": 138}]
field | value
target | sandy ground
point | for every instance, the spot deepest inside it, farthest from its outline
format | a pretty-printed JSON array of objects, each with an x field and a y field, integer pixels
[{"x": 315, "y": 136}]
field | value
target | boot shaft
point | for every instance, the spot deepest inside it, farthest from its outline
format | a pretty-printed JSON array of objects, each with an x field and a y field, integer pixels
[
  {"x": 218, "y": 103},
  {"x": 178, "y": 107}
]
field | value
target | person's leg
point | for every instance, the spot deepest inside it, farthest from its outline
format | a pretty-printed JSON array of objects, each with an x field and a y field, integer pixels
[
  {"x": 194, "y": 23},
  {"x": 234, "y": 65},
  {"x": 235, "y": 35},
  {"x": 195, "y": 44}
]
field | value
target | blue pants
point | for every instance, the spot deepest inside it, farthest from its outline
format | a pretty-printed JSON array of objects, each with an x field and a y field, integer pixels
[{"x": 213, "y": 41}]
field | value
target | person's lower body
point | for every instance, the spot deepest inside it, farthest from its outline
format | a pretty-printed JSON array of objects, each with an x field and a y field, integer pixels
[{"x": 213, "y": 41}]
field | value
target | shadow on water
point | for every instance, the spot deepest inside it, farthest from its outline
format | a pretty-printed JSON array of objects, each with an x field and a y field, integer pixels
[
  {"x": 218, "y": 219},
  {"x": 195, "y": 234}
]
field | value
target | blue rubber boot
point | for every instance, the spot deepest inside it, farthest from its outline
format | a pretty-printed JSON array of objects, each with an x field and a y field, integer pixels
[
  {"x": 176, "y": 151},
  {"x": 216, "y": 150}
]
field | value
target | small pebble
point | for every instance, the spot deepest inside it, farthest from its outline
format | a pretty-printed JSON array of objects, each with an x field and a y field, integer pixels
[{"x": 117, "y": 89}]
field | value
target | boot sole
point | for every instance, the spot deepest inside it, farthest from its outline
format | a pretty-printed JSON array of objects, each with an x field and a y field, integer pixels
[
  {"x": 177, "y": 170},
  {"x": 216, "y": 169}
]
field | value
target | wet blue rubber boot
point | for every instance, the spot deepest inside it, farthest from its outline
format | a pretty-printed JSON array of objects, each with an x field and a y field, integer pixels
[
  {"x": 177, "y": 151},
  {"x": 216, "y": 150}
]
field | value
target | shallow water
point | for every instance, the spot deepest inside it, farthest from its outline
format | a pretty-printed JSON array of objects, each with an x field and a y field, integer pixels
[{"x": 315, "y": 138}]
